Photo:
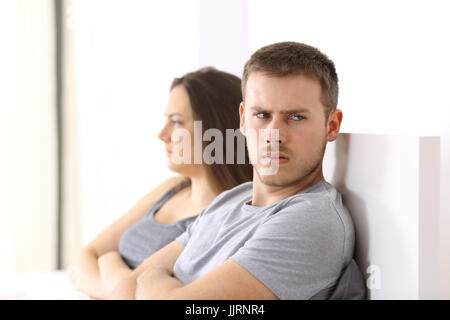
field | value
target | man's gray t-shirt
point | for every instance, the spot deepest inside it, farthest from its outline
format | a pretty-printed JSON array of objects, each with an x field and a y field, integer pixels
[{"x": 296, "y": 247}]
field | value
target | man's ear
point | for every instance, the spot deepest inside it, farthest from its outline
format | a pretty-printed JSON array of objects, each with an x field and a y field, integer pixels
[
  {"x": 242, "y": 118},
  {"x": 334, "y": 124}
]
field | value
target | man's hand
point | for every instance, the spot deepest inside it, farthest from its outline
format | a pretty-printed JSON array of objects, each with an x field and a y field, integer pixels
[
  {"x": 156, "y": 282},
  {"x": 125, "y": 290}
]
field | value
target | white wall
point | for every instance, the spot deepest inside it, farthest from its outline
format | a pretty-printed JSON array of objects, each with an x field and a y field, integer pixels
[
  {"x": 123, "y": 57},
  {"x": 392, "y": 58},
  {"x": 28, "y": 148},
  {"x": 223, "y": 34}
]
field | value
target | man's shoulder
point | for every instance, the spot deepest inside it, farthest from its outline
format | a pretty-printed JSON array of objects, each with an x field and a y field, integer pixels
[
  {"x": 319, "y": 202},
  {"x": 320, "y": 210},
  {"x": 319, "y": 196}
]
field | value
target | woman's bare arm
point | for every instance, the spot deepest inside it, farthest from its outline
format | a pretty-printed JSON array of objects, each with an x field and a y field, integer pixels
[{"x": 90, "y": 279}]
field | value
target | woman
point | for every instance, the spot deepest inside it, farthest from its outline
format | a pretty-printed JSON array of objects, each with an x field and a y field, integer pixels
[{"x": 206, "y": 95}]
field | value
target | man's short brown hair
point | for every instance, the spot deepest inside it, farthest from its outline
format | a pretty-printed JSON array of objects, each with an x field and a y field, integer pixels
[{"x": 293, "y": 58}]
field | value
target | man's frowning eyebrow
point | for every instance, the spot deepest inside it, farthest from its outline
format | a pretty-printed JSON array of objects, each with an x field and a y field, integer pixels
[{"x": 290, "y": 111}]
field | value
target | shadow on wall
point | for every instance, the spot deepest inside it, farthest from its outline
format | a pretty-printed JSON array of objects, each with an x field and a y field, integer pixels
[{"x": 354, "y": 203}]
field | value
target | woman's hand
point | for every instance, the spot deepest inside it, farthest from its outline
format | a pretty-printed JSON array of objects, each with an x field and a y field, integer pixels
[
  {"x": 112, "y": 270},
  {"x": 74, "y": 273},
  {"x": 76, "y": 278}
]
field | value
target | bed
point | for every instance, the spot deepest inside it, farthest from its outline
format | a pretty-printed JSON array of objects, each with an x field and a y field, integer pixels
[{"x": 54, "y": 285}]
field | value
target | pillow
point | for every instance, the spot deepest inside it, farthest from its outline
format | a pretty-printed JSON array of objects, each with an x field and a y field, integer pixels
[{"x": 350, "y": 285}]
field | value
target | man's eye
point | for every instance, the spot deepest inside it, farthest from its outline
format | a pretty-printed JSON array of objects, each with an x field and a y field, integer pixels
[
  {"x": 262, "y": 115},
  {"x": 296, "y": 117}
]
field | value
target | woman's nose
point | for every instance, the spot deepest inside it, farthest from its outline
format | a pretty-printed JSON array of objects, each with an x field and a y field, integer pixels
[{"x": 164, "y": 134}]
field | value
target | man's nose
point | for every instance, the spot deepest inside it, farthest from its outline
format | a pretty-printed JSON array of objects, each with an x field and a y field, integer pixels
[{"x": 275, "y": 131}]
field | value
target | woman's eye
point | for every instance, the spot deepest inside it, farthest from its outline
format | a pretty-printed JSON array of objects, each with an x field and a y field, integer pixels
[{"x": 177, "y": 123}]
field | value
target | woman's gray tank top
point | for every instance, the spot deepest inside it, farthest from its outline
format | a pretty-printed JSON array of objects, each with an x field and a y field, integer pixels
[{"x": 147, "y": 236}]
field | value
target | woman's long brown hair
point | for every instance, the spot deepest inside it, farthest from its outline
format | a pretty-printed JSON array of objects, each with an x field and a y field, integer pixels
[{"x": 215, "y": 97}]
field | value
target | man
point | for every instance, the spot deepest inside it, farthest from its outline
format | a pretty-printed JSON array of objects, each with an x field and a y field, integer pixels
[{"x": 285, "y": 235}]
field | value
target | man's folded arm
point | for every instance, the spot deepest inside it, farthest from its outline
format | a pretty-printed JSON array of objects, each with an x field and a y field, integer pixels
[
  {"x": 229, "y": 280},
  {"x": 165, "y": 257}
]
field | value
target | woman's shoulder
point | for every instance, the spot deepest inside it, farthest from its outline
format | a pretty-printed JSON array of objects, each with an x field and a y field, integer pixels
[
  {"x": 172, "y": 182},
  {"x": 167, "y": 185}
]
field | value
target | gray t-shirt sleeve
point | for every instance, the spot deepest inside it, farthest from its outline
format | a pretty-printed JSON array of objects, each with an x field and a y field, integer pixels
[
  {"x": 186, "y": 235},
  {"x": 297, "y": 253}
]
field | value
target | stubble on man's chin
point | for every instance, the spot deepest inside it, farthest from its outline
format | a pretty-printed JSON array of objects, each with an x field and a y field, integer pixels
[
  {"x": 292, "y": 178},
  {"x": 287, "y": 181}
]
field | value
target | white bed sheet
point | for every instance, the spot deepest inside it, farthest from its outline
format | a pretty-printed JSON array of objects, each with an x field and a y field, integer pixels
[{"x": 54, "y": 285}]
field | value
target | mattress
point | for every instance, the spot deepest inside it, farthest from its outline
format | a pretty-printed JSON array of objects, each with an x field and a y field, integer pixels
[{"x": 54, "y": 285}]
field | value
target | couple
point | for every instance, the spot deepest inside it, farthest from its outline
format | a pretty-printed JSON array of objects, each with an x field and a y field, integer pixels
[{"x": 228, "y": 231}]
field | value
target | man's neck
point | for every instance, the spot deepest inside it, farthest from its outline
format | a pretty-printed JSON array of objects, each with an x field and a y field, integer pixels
[{"x": 264, "y": 195}]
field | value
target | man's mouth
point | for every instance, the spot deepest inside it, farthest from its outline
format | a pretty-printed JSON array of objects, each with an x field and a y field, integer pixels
[
  {"x": 279, "y": 158},
  {"x": 276, "y": 156}
]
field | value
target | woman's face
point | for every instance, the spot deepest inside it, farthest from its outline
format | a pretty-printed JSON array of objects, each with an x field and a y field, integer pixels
[{"x": 179, "y": 119}]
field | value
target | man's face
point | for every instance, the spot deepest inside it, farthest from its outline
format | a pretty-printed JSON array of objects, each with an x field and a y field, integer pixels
[{"x": 291, "y": 105}]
